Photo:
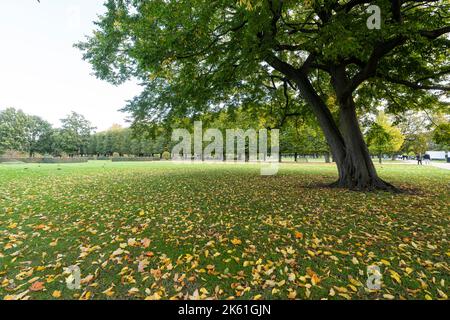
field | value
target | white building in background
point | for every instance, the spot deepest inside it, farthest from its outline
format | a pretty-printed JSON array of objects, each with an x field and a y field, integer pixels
[{"x": 437, "y": 155}]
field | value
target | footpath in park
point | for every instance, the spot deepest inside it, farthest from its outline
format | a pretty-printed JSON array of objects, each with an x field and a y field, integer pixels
[{"x": 441, "y": 165}]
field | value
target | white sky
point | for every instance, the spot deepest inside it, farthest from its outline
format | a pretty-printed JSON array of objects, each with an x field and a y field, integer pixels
[{"x": 40, "y": 71}]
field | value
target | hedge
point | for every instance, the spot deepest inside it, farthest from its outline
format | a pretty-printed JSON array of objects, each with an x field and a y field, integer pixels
[
  {"x": 44, "y": 160},
  {"x": 125, "y": 159}
]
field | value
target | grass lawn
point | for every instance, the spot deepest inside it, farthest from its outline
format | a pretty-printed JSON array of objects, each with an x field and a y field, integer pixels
[{"x": 163, "y": 230}]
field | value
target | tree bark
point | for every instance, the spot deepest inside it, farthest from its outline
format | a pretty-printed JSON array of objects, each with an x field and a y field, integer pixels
[
  {"x": 348, "y": 148},
  {"x": 357, "y": 171}
]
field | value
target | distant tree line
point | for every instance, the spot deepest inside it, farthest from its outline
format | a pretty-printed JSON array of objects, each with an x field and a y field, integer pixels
[
  {"x": 118, "y": 141},
  {"x": 31, "y": 134},
  {"x": 299, "y": 135},
  {"x": 23, "y": 133}
]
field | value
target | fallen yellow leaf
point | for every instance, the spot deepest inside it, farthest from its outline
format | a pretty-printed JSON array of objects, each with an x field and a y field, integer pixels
[
  {"x": 56, "y": 294},
  {"x": 236, "y": 241}
]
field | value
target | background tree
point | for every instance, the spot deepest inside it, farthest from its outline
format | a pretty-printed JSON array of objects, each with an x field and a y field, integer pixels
[
  {"x": 383, "y": 138},
  {"x": 416, "y": 127},
  {"x": 300, "y": 137},
  {"x": 441, "y": 136},
  {"x": 215, "y": 53},
  {"x": 125, "y": 141},
  {"x": 75, "y": 133},
  {"x": 13, "y": 127},
  {"x": 39, "y": 134}
]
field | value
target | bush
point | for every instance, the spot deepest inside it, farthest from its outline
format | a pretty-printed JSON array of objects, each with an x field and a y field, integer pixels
[
  {"x": 44, "y": 160},
  {"x": 166, "y": 155},
  {"x": 14, "y": 154},
  {"x": 124, "y": 159}
]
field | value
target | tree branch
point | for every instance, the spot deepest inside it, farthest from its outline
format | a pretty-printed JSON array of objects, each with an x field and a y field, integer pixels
[
  {"x": 396, "y": 10},
  {"x": 413, "y": 85},
  {"x": 370, "y": 68},
  {"x": 433, "y": 34}
]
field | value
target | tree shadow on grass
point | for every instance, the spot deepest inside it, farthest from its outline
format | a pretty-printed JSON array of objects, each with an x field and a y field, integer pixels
[{"x": 401, "y": 189}]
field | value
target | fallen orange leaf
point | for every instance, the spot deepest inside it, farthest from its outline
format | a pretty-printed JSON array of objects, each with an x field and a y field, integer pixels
[
  {"x": 37, "y": 286},
  {"x": 146, "y": 242}
]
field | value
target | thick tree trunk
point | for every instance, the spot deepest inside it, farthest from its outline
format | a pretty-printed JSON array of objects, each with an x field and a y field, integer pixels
[
  {"x": 356, "y": 170},
  {"x": 346, "y": 142}
]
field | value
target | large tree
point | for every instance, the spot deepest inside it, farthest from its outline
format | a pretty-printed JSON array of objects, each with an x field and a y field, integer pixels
[
  {"x": 74, "y": 134},
  {"x": 416, "y": 128},
  {"x": 13, "y": 127},
  {"x": 39, "y": 136},
  {"x": 194, "y": 56}
]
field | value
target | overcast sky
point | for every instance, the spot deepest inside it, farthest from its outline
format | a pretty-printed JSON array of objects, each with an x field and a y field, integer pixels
[{"x": 40, "y": 71}]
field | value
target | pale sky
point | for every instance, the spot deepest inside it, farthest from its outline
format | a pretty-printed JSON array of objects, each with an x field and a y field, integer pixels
[{"x": 40, "y": 71}]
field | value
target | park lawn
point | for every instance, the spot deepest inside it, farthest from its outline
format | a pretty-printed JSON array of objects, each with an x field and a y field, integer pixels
[{"x": 164, "y": 230}]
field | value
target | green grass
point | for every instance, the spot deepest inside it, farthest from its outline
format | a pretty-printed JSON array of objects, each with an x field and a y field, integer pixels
[{"x": 220, "y": 231}]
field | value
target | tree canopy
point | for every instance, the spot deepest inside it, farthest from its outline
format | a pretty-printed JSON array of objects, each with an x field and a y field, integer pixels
[
  {"x": 12, "y": 124},
  {"x": 74, "y": 133},
  {"x": 383, "y": 138},
  {"x": 190, "y": 56},
  {"x": 22, "y": 132},
  {"x": 441, "y": 135}
]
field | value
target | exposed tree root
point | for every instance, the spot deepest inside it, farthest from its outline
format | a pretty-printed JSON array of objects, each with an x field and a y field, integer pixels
[{"x": 371, "y": 185}]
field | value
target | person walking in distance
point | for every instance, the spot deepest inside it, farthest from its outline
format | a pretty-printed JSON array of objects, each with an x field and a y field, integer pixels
[{"x": 419, "y": 159}]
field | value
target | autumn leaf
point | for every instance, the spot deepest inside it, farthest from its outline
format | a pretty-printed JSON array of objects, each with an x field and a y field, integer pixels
[
  {"x": 142, "y": 265},
  {"x": 87, "y": 279},
  {"x": 315, "y": 279},
  {"x": 133, "y": 291},
  {"x": 146, "y": 242},
  {"x": 236, "y": 241},
  {"x": 395, "y": 276},
  {"x": 86, "y": 295},
  {"x": 109, "y": 292},
  {"x": 117, "y": 252},
  {"x": 37, "y": 286},
  {"x": 132, "y": 242},
  {"x": 56, "y": 294},
  {"x": 292, "y": 294}
]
